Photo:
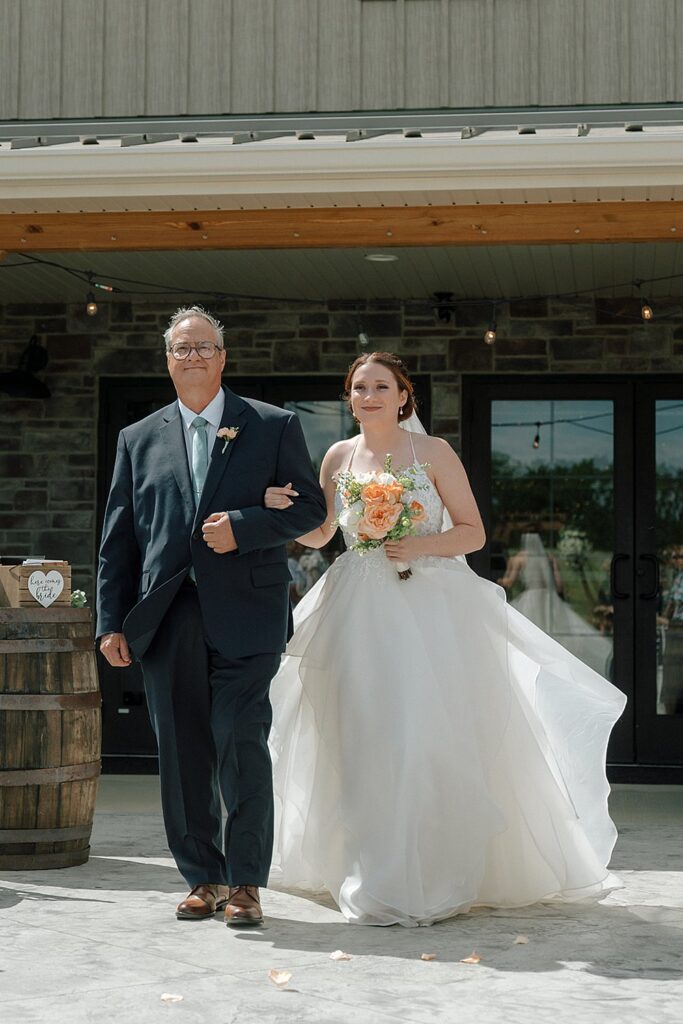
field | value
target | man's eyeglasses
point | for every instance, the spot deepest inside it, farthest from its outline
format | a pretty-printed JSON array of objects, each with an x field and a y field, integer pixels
[{"x": 206, "y": 349}]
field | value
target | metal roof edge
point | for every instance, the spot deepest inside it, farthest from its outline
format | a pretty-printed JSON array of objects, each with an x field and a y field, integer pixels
[{"x": 446, "y": 119}]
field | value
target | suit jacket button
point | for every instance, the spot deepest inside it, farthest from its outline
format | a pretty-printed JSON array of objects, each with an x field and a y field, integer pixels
[{"x": 197, "y": 535}]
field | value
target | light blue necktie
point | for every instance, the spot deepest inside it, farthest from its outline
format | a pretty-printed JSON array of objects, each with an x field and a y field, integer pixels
[{"x": 200, "y": 456}]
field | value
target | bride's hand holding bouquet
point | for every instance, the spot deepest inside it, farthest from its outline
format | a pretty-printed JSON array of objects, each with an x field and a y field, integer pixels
[
  {"x": 378, "y": 509},
  {"x": 407, "y": 549}
]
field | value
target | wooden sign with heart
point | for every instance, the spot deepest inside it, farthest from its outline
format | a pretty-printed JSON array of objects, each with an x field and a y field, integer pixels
[{"x": 45, "y": 588}]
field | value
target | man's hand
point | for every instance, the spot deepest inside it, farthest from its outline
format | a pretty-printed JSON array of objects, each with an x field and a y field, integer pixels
[
  {"x": 217, "y": 532},
  {"x": 115, "y": 649}
]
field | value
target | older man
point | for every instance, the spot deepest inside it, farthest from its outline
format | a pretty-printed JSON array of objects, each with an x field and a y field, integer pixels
[{"x": 193, "y": 580}]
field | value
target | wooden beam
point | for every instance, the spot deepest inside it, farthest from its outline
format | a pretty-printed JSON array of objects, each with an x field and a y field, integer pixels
[{"x": 533, "y": 224}]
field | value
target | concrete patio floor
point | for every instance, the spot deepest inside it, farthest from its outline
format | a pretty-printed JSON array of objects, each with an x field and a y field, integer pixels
[{"x": 100, "y": 943}]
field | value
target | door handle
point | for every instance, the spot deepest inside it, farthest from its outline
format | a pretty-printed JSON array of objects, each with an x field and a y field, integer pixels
[
  {"x": 619, "y": 594},
  {"x": 654, "y": 561}
]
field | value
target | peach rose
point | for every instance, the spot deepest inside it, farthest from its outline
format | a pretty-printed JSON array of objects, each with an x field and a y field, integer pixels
[
  {"x": 378, "y": 520},
  {"x": 394, "y": 492},
  {"x": 417, "y": 512},
  {"x": 376, "y": 493}
]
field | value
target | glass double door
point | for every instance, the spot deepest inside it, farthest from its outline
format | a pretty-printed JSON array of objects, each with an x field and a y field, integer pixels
[{"x": 581, "y": 487}]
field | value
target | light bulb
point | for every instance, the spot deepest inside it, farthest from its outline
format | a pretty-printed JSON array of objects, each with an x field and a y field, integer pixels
[
  {"x": 490, "y": 335},
  {"x": 90, "y": 304},
  {"x": 536, "y": 443},
  {"x": 646, "y": 310}
]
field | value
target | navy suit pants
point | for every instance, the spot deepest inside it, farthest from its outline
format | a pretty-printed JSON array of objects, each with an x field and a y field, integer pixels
[{"x": 212, "y": 717}]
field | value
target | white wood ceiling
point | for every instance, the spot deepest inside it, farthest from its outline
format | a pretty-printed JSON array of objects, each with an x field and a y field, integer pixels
[{"x": 320, "y": 274}]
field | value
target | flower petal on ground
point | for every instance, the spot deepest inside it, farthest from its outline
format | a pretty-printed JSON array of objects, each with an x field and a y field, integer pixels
[
  {"x": 521, "y": 940},
  {"x": 473, "y": 958},
  {"x": 339, "y": 954},
  {"x": 428, "y": 956},
  {"x": 170, "y": 997},
  {"x": 279, "y": 978}
]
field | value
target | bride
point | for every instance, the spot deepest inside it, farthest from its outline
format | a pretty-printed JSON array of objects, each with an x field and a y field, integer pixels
[{"x": 433, "y": 749}]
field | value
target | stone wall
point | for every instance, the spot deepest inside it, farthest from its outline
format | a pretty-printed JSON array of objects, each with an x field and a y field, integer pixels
[{"x": 49, "y": 448}]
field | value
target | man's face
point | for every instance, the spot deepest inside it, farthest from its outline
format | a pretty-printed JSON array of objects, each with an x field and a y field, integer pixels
[{"x": 195, "y": 371}]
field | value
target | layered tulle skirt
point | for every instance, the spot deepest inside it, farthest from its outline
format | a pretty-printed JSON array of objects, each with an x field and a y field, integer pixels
[{"x": 434, "y": 750}]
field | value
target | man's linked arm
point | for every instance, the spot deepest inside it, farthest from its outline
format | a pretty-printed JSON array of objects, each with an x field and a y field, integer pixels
[
  {"x": 259, "y": 527},
  {"x": 119, "y": 566}
]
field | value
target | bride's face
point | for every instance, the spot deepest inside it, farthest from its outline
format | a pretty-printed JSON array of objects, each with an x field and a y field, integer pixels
[{"x": 375, "y": 395}]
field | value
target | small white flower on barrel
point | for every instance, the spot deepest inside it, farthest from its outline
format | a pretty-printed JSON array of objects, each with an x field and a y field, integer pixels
[{"x": 227, "y": 434}]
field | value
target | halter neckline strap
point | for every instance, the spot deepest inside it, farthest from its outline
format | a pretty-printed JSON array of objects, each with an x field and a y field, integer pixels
[{"x": 353, "y": 450}]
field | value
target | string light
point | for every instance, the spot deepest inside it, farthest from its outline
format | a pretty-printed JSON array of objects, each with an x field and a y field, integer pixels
[
  {"x": 90, "y": 301},
  {"x": 444, "y": 307},
  {"x": 579, "y": 421},
  {"x": 490, "y": 333},
  {"x": 645, "y": 307}
]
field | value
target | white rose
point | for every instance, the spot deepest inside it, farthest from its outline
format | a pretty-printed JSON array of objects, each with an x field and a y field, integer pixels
[{"x": 351, "y": 516}]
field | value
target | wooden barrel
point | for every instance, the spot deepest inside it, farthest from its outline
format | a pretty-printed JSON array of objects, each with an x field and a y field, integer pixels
[{"x": 49, "y": 737}]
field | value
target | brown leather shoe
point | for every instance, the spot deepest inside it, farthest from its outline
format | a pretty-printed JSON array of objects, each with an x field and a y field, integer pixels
[
  {"x": 243, "y": 908},
  {"x": 202, "y": 901}
]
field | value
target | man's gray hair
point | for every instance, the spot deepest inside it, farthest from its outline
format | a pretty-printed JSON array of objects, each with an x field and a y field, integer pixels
[{"x": 192, "y": 311}]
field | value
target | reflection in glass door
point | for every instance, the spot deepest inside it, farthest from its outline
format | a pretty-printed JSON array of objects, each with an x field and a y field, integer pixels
[
  {"x": 551, "y": 464},
  {"x": 669, "y": 531},
  {"x": 580, "y": 482},
  {"x": 552, "y": 518},
  {"x": 659, "y": 570}
]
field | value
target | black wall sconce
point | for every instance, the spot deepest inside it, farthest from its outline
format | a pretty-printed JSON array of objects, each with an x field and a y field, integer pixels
[{"x": 21, "y": 383}]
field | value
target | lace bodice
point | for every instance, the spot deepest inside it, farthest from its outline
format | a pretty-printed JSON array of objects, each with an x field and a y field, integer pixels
[{"x": 425, "y": 492}]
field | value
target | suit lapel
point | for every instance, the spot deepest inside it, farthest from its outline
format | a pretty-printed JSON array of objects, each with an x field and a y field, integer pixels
[
  {"x": 171, "y": 432},
  {"x": 233, "y": 416}
]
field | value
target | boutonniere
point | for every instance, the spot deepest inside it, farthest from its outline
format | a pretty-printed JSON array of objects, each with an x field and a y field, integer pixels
[{"x": 227, "y": 434}]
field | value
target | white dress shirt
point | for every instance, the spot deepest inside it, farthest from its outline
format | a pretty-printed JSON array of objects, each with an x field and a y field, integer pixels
[{"x": 213, "y": 413}]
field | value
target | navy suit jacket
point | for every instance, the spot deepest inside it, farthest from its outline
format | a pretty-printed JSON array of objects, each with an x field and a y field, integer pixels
[{"x": 152, "y": 531}]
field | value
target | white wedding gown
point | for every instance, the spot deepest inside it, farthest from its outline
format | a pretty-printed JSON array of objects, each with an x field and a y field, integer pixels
[
  {"x": 433, "y": 749},
  {"x": 541, "y": 603}
]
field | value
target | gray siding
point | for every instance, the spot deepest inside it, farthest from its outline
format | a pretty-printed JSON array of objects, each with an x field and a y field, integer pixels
[{"x": 78, "y": 58}]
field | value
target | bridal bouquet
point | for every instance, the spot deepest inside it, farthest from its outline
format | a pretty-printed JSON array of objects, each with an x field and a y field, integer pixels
[
  {"x": 379, "y": 507},
  {"x": 575, "y": 546}
]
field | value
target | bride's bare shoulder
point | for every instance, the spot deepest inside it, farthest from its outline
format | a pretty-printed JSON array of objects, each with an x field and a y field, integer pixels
[
  {"x": 338, "y": 454},
  {"x": 433, "y": 449}
]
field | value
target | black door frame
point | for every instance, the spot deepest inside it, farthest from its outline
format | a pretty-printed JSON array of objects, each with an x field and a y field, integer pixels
[
  {"x": 655, "y": 733},
  {"x": 630, "y": 395}
]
